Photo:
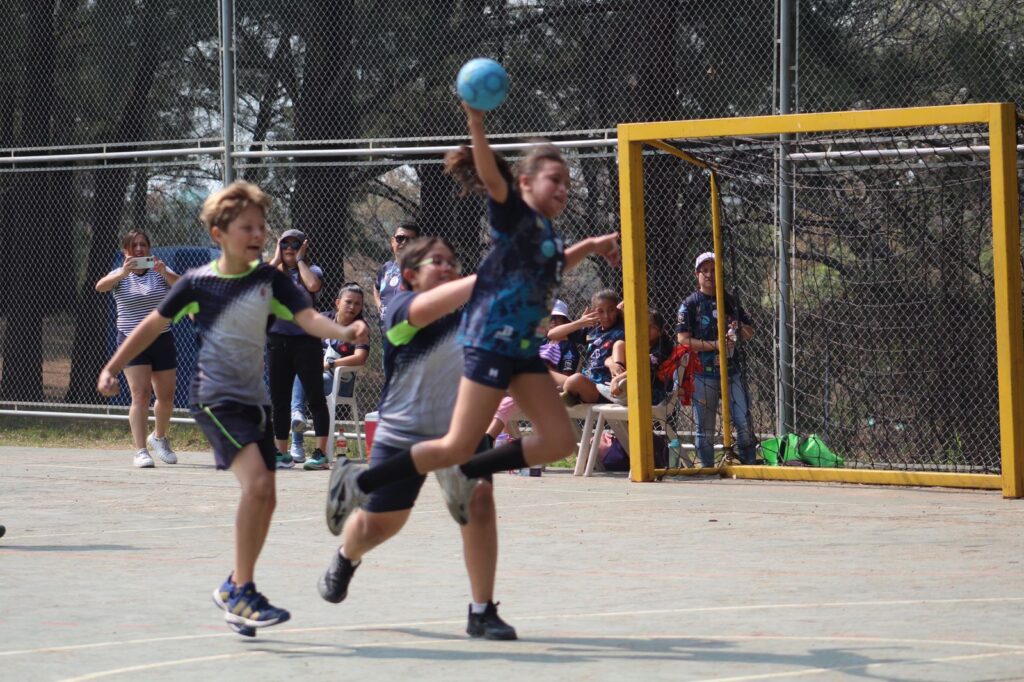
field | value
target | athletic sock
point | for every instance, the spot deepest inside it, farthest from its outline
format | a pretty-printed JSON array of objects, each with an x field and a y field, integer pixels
[
  {"x": 501, "y": 458},
  {"x": 341, "y": 552},
  {"x": 393, "y": 469},
  {"x": 477, "y": 608}
]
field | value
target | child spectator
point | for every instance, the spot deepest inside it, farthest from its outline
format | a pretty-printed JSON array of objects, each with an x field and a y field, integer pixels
[
  {"x": 599, "y": 328},
  {"x": 348, "y": 310}
]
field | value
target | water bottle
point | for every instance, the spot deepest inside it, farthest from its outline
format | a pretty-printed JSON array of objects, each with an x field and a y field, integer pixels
[
  {"x": 731, "y": 335},
  {"x": 675, "y": 449}
]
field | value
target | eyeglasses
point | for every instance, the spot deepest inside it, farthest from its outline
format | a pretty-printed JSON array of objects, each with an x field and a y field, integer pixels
[
  {"x": 400, "y": 238},
  {"x": 291, "y": 244},
  {"x": 438, "y": 261}
]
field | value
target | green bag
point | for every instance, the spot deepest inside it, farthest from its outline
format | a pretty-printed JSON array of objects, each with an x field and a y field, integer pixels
[
  {"x": 815, "y": 453},
  {"x": 812, "y": 451},
  {"x": 780, "y": 450}
]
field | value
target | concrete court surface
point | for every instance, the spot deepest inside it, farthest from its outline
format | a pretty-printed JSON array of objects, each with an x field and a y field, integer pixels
[{"x": 106, "y": 572}]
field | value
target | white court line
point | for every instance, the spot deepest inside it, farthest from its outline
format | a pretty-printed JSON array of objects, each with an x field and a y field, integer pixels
[
  {"x": 568, "y": 616},
  {"x": 304, "y": 519},
  {"x": 245, "y": 654},
  {"x": 419, "y": 642}
]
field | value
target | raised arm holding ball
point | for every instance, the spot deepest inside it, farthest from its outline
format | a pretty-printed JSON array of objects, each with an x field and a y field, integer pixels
[{"x": 501, "y": 330}]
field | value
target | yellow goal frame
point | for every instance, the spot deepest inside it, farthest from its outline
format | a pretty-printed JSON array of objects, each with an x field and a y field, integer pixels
[{"x": 1001, "y": 119}]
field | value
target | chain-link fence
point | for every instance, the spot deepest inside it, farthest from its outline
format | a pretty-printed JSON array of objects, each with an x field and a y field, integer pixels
[{"x": 129, "y": 96}]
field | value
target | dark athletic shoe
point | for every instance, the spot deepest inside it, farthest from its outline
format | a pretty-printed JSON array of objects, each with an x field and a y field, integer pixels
[
  {"x": 344, "y": 495},
  {"x": 333, "y": 585},
  {"x": 489, "y": 624},
  {"x": 316, "y": 461}
]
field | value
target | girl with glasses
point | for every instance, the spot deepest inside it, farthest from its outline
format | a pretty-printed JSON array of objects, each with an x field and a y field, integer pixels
[{"x": 422, "y": 364}]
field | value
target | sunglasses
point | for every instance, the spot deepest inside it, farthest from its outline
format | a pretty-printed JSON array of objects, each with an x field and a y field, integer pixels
[
  {"x": 401, "y": 238},
  {"x": 291, "y": 244},
  {"x": 438, "y": 261}
]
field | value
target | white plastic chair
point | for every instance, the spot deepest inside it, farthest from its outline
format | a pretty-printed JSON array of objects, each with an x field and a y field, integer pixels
[
  {"x": 333, "y": 400},
  {"x": 584, "y": 411},
  {"x": 607, "y": 412}
]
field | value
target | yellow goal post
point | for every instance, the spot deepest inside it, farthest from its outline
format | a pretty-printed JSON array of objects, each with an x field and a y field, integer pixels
[{"x": 1000, "y": 120}]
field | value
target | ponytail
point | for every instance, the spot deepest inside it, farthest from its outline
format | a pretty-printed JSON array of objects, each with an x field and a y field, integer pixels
[{"x": 458, "y": 163}]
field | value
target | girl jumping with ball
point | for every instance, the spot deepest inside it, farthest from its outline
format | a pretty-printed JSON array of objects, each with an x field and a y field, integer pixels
[{"x": 501, "y": 330}]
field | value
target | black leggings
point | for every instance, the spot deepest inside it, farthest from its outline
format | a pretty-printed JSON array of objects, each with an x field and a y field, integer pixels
[{"x": 288, "y": 356}]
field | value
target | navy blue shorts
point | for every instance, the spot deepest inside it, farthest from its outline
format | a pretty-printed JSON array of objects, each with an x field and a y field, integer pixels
[
  {"x": 231, "y": 426},
  {"x": 496, "y": 370},
  {"x": 400, "y": 495},
  {"x": 160, "y": 354}
]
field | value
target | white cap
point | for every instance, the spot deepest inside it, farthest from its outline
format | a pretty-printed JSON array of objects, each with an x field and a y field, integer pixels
[
  {"x": 703, "y": 258},
  {"x": 560, "y": 308}
]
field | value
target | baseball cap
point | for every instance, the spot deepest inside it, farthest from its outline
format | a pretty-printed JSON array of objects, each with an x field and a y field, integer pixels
[
  {"x": 560, "y": 308},
  {"x": 703, "y": 258},
  {"x": 293, "y": 234}
]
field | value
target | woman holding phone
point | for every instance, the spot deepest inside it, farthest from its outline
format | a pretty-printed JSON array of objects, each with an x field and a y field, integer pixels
[{"x": 139, "y": 285}]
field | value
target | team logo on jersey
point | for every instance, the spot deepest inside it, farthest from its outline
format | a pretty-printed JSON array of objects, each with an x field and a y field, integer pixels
[
  {"x": 505, "y": 333},
  {"x": 393, "y": 282},
  {"x": 548, "y": 248}
]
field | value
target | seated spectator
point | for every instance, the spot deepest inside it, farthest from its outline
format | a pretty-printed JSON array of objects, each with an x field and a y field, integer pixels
[
  {"x": 561, "y": 357},
  {"x": 348, "y": 309},
  {"x": 660, "y": 351},
  {"x": 599, "y": 328}
]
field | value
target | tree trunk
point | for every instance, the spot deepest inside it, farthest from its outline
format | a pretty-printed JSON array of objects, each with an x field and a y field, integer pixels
[
  {"x": 324, "y": 111},
  {"x": 29, "y": 196},
  {"x": 110, "y": 187}
]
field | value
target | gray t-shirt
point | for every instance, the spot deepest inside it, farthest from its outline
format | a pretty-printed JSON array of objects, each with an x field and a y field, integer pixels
[
  {"x": 422, "y": 369},
  {"x": 231, "y": 314}
]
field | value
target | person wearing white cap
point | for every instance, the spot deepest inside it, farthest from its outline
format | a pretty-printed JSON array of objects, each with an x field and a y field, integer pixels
[{"x": 697, "y": 327}]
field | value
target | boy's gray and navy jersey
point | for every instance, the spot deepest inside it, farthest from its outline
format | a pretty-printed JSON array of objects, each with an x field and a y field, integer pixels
[
  {"x": 231, "y": 313},
  {"x": 422, "y": 369}
]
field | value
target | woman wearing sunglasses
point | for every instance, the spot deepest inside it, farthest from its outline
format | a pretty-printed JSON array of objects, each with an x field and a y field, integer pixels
[
  {"x": 389, "y": 277},
  {"x": 291, "y": 353}
]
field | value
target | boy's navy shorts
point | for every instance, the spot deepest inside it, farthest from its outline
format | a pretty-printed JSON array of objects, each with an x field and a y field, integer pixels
[
  {"x": 160, "y": 354},
  {"x": 496, "y": 370},
  {"x": 231, "y": 426},
  {"x": 402, "y": 494}
]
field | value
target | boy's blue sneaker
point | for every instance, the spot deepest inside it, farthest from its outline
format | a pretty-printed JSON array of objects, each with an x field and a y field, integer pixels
[
  {"x": 221, "y": 596},
  {"x": 250, "y": 608}
]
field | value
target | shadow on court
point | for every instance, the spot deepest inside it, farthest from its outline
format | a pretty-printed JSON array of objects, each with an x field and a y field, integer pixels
[{"x": 106, "y": 573}]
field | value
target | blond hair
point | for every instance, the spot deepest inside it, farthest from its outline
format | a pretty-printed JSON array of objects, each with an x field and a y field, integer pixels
[{"x": 224, "y": 205}]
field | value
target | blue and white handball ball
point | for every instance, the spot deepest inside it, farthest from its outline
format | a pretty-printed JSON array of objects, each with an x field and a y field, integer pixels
[{"x": 482, "y": 83}]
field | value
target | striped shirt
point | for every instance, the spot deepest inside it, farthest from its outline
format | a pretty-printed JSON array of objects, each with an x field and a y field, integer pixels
[{"x": 137, "y": 296}]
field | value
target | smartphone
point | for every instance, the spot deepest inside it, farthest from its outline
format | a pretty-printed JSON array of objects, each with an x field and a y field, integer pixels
[{"x": 142, "y": 263}]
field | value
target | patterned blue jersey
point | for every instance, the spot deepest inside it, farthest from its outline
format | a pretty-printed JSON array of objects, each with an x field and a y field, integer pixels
[
  {"x": 231, "y": 313},
  {"x": 515, "y": 283},
  {"x": 698, "y": 315},
  {"x": 599, "y": 342}
]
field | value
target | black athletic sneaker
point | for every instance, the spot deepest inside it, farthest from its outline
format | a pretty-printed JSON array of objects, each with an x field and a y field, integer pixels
[
  {"x": 334, "y": 582},
  {"x": 489, "y": 624}
]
